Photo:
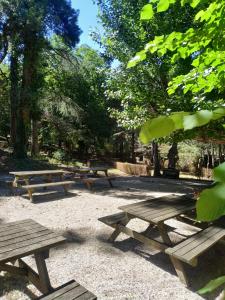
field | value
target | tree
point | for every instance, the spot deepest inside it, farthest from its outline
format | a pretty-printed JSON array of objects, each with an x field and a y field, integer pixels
[
  {"x": 73, "y": 104},
  {"x": 137, "y": 99},
  {"x": 27, "y": 26}
]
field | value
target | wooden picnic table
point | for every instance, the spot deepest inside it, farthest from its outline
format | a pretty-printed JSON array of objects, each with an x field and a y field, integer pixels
[
  {"x": 155, "y": 212},
  {"x": 46, "y": 175},
  {"x": 22, "y": 238},
  {"x": 27, "y": 175},
  {"x": 94, "y": 170}
]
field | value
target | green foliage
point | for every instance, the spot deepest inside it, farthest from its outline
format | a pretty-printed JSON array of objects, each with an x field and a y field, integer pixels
[
  {"x": 212, "y": 285},
  {"x": 59, "y": 155},
  {"x": 166, "y": 125}
]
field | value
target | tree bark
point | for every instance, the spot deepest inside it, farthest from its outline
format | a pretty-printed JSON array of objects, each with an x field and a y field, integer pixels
[
  {"x": 14, "y": 93},
  {"x": 34, "y": 142},
  {"x": 156, "y": 160},
  {"x": 133, "y": 147},
  {"x": 30, "y": 58},
  {"x": 173, "y": 156}
]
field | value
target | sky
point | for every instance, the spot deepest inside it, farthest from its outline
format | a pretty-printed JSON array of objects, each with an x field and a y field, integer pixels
[{"x": 87, "y": 19}]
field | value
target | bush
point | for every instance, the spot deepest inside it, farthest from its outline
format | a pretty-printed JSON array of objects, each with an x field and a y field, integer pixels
[{"x": 59, "y": 155}]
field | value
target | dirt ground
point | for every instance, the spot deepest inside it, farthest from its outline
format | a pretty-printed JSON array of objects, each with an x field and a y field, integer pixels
[{"x": 123, "y": 270}]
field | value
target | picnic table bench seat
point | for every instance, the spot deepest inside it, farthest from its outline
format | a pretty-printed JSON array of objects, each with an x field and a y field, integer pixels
[
  {"x": 31, "y": 187},
  {"x": 112, "y": 220},
  {"x": 89, "y": 181},
  {"x": 70, "y": 291},
  {"x": 190, "y": 249}
]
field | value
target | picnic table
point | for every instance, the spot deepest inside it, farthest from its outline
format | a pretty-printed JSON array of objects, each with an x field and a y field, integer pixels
[
  {"x": 27, "y": 237},
  {"x": 47, "y": 177},
  {"x": 22, "y": 238},
  {"x": 94, "y": 170},
  {"x": 156, "y": 212},
  {"x": 89, "y": 181}
]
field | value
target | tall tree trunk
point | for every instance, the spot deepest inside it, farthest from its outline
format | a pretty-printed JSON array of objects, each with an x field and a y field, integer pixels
[
  {"x": 34, "y": 141},
  {"x": 156, "y": 160},
  {"x": 173, "y": 156},
  {"x": 26, "y": 95},
  {"x": 133, "y": 147},
  {"x": 14, "y": 93}
]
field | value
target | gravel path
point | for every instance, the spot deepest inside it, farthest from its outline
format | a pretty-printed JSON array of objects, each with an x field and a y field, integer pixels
[{"x": 119, "y": 271}]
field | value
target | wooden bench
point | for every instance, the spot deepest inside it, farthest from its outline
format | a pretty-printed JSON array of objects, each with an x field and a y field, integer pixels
[
  {"x": 189, "y": 250},
  {"x": 69, "y": 291},
  {"x": 114, "y": 219},
  {"x": 31, "y": 187},
  {"x": 89, "y": 181}
]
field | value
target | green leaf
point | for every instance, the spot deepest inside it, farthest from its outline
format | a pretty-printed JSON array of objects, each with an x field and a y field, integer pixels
[
  {"x": 218, "y": 113},
  {"x": 156, "y": 128},
  {"x": 147, "y": 12},
  {"x": 163, "y": 5},
  {"x": 211, "y": 204},
  {"x": 212, "y": 285},
  {"x": 201, "y": 118},
  {"x": 178, "y": 119},
  {"x": 219, "y": 173},
  {"x": 194, "y": 3}
]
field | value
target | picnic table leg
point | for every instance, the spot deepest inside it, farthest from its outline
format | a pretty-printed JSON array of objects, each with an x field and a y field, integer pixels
[
  {"x": 164, "y": 234},
  {"x": 179, "y": 268},
  {"x": 117, "y": 231},
  {"x": 30, "y": 193},
  {"x": 48, "y": 180},
  {"x": 106, "y": 173},
  {"x": 43, "y": 272},
  {"x": 110, "y": 183}
]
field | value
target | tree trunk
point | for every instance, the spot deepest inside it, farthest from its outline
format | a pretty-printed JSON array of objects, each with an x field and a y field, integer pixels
[
  {"x": 30, "y": 59},
  {"x": 156, "y": 160},
  {"x": 173, "y": 156},
  {"x": 34, "y": 144},
  {"x": 14, "y": 94},
  {"x": 133, "y": 147}
]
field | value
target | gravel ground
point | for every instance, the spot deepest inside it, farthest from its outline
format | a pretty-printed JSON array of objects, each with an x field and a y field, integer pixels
[{"x": 119, "y": 271}]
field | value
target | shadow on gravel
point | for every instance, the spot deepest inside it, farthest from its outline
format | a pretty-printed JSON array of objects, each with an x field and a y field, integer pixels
[
  {"x": 140, "y": 188},
  {"x": 49, "y": 197},
  {"x": 210, "y": 266},
  {"x": 14, "y": 284}
]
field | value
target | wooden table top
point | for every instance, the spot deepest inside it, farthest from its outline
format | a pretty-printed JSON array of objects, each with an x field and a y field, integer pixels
[
  {"x": 160, "y": 209},
  {"x": 91, "y": 169},
  {"x": 37, "y": 173},
  {"x": 21, "y": 238}
]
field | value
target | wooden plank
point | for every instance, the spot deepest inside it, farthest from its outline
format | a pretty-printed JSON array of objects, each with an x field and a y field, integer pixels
[
  {"x": 27, "y": 239},
  {"x": 189, "y": 250},
  {"x": 204, "y": 246},
  {"x": 190, "y": 240},
  {"x": 32, "y": 276},
  {"x": 168, "y": 198},
  {"x": 13, "y": 270},
  {"x": 138, "y": 236},
  {"x": 27, "y": 242},
  {"x": 179, "y": 268},
  {"x": 87, "y": 296},
  {"x": 36, "y": 173},
  {"x": 12, "y": 224},
  {"x": 40, "y": 185},
  {"x": 24, "y": 251},
  {"x": 42, "y": 272},
  {"x": 112, "y": 219},
  {"x": 21, "y": 228},
  {"x": 61, "y": 290},
  {"x": 151, "y": 211},
  {"x": 73, "y": 294}
]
